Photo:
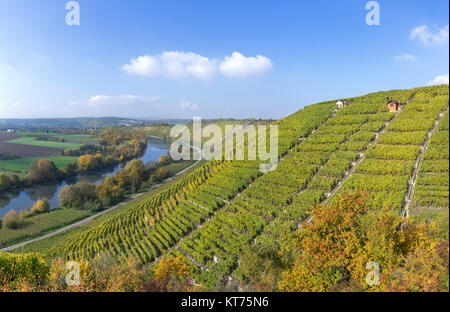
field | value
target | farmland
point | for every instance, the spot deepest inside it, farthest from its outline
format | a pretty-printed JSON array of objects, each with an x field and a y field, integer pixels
[
  {"x": 33, "y": 142},
  {"x": 20, "y": 166},
  {"x": 212, "y": 215},
  {"x": 26, "y": 147}
]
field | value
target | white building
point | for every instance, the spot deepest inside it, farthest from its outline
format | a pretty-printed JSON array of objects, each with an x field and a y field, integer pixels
[{"x": 340, "y": 104}]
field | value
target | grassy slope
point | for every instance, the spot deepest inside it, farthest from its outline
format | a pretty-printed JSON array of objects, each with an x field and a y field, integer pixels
[{"x": 40, "y": 224}]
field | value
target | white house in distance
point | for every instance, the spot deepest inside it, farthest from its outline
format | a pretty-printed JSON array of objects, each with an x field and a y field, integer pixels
[
  {"x": 10, "y": 131},
  {"x": 341, "y": 104}
]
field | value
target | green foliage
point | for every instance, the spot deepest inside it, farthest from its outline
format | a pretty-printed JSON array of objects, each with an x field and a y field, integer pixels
[{"x": 31, "y": 268}]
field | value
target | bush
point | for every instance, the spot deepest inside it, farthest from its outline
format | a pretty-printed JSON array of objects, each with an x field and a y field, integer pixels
[
  {"x": 78, "y": 195},
  {"x": 30, "y": 267},
  {"x": 40, "y": 206},
  {"x": 11, "y": 219},
  {"x": 43, "y": 170},
  {"x": 162, "y": 174}
]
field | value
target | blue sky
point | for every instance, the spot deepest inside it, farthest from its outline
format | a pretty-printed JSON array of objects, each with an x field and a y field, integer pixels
[{"x": 239, "y": 59}]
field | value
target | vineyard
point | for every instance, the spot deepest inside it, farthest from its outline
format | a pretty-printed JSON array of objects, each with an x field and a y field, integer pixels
[{"x": 399, "y": 158}]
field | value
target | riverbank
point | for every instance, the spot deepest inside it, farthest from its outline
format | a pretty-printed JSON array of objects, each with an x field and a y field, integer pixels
[
  {"x": 24, "y": 198},
  {"x": 178, "y": 171}
]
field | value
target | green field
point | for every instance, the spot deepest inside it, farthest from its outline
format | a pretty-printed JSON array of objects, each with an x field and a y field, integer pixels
[
  {"x": 21, "y": 166},
  {"x": 31, "y": 141}
]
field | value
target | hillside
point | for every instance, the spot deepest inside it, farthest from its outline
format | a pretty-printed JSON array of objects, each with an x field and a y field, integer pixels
[{"x": 209, "y": 217}]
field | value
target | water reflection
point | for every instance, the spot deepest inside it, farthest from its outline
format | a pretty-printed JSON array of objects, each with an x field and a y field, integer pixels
[{"x": 20, "y": 200}]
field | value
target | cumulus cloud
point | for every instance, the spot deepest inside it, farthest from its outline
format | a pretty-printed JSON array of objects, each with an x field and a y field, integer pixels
[
  {"x": 188, "y": 105},
  {"x": 180, "y": 65},
  {"x": 405, "y": 57},
  {"x": 173, "y": 64},
  {"x": 238, "y": 65},
  {"x": 427, "y": 36},
  {"x": 441, "y": 79}
]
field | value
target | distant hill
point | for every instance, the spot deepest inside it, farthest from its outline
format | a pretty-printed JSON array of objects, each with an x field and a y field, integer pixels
[{"x": 82, "y": 122}]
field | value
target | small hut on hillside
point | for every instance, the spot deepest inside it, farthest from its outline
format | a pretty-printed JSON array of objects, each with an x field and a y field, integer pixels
[
  {"x": 393, "y": 105},
  {"x": 341, "y": 104}
]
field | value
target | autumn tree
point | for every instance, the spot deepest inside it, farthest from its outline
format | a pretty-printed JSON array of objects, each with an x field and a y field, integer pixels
[
  {"x": 71, "y": 169},
  {"x": 109, "y": 192},
  {"x": 343, "y": 237},
  {"x": 11, "y": 219},
  {"x": 88, "y": 162},
  {"x": 169, "y": 274},
  {"x": 261, "y": 266},
  {"x": 136, "y": 174},
  {"x": 43, "y": 170},
  {"x": 78, "y": 195},
  {"x": 5, "y": 182},
  {"x": 40, "y": 206}
]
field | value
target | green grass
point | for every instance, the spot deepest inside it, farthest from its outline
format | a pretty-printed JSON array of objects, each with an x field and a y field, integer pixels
[
  {"x": 22, "y": 165},
  {"x": 177, "y": 167},
  {"x": 32, "y": 141},
  {"x": 40, "y": 225}
]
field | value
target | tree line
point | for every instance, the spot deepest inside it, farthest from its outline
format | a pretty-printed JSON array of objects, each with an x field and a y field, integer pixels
[
  {"x": 135, "y": 176},
  {"x": 117, "y": 145}
]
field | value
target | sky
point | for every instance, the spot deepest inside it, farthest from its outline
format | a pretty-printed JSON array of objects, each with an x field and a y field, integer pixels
[{"x": 212, "y": 59}]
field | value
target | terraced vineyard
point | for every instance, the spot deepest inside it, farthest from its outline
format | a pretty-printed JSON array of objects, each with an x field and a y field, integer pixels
[{"x": 209, "y": 217}]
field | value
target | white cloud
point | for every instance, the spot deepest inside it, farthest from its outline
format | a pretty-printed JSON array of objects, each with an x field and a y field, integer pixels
[
  {"x": 120, "y": 100},
  {"x": 429, "y": 37},
  {"x": 405, "y": 57},
  {"x": 180, "y": 65},
  {"x": 238, "y": 65},
  {"x": 441, "y": 79},
  {"x": 173, "y": 64},
  {"x": 188, "y": 105}
]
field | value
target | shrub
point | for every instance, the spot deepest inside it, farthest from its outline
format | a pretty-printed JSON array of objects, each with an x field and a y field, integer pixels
[
  {"x": 31, "y": 268},
  {"x": 11, "y": 219},
  {"x": 40, "y": 206},
  {"x": 162, "y": 174}
]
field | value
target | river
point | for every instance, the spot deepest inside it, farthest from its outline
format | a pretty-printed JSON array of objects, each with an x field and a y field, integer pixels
[{"x": 24, "y": 199}]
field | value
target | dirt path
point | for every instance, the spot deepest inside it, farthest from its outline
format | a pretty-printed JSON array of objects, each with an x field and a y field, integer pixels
[
  {"x": 89, "y": 219},
  {"x": 360, "y": 160},
  {"x": 413, "y": 180}
]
